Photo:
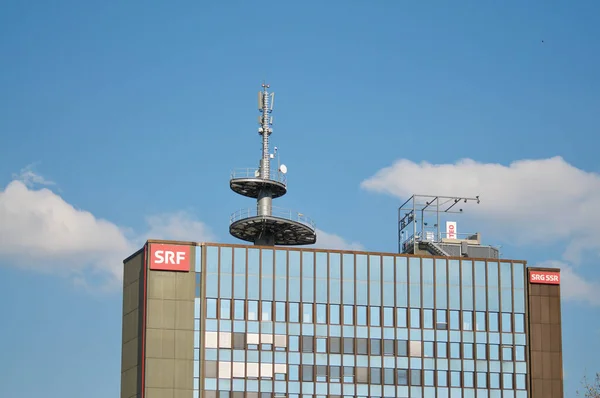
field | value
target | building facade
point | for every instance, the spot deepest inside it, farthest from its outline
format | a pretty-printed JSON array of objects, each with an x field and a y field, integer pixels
[{"x": 215, "y": 320}]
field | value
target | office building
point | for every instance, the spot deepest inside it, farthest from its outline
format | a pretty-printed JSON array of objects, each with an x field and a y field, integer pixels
[{"x": 220, "y": 320}]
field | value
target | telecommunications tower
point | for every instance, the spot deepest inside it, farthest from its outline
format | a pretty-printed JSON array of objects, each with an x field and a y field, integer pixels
[{"x": 264, "y": 224}]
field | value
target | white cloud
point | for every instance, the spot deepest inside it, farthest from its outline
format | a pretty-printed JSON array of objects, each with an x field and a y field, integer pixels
[
  {"x": 533, "y": 201},
  {"x": 40, "y": 230},
  {"x": 178, "y": 226},
  {"x": 331, "y": 241},
  {"x": 527, "y": 202},
  {"x": 30, "y": 178},
  {"x": 574, "y": 287}
]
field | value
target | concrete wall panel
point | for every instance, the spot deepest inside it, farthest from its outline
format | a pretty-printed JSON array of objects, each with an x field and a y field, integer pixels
[
  {"x": 545, "y": 340},
  {"x": 170, "y": 333},
  {"x": 131, "y": 353}
]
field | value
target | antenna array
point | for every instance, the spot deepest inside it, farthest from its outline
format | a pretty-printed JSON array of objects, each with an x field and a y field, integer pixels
[{"x": 266, "y": 225}]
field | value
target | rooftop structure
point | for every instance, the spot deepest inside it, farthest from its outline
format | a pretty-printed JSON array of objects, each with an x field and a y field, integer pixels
[
  {"x": 419, "y": 228},
  {"x": 267, "y": 225}
]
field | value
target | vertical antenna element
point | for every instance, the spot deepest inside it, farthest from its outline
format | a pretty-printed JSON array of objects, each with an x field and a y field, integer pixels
[{"x": 266, "y": 107}]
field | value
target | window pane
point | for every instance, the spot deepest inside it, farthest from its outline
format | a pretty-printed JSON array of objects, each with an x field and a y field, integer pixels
[
  {"x": 307, "y": 313},
  {"x": 506, "y": 323},
  {"x": 507, "y": 354},
  {"x": 519, "y": 353},
  {"x": 402, "y": 348},
  {"x": 442, "y": 350},
  {"x": 455, "y": 379},
  {"x": 225, "y": 309},
  {"x": 375, "y": 347},
  {"x": 415, "y": 377},
  {"x": 481, "y": 351},
  {"x": 321, "y": 277},
  {"x": 480, "y": 286},
  {"x": 415, "y": 318},
  {"x": 362, "y": 271},
  {"x": 415, "y": 282},
  {"x": 280, "y": 312},
  {"x": 454, "y": 320},
  {"x": 401, "y": 282},
  {"x": 519, "y": 323},
  {"x": 388, "y": 347},
  {"x": 441, "y": 283},
  {"x": 266, "y": 310},
  {"x": 454, "y": 284},
  {"x": 467, "y": 320},
  {"x": 427, "y": 319},
  {"x": 388, "y": 317},
  {"x": 506, "y": 284},
  {"x": 375, "y": 280},
  {"x": 335, "y": 276},
  {"x": 455, "y": 350},
  {"x": 468, "y": 380},
  {"x": 402, "y": 376},
  {"x": 427, "y": 295},
  {"x": 428, "y": 283},
  {"x": 362, "y": 347},
  {"x": 280, "y": 275},
  {"x": 334, "y": 345},
  {"x": 348, "y": 315},
  {"x": 374, "y": 316},
  {"x": 348, "y": 345},
  {"x": 467, "y": 285},
  {"x": 294, "y": 312},
  {"x": 375, "y": 376},
  {"x": 442, "y": 378},
  {"x": 308, "y": 272},
  {"x": 401, "y": 317},
  {"x": 494, "y": 322},
  {"x": 307, "y": 344},
  {"x": 428, "y": 349},
  {"x": 252, "y": 310},
  {"x": 321, "y": 313},
  {"x": 334, "y": 314},
  {"x": 480, "y": 321},
  {"x": 348, "y": 278},
  {"x": 361, "y": 316},
  {"x": 388, "y": 281},
  {"x": 494, "y": 352},
  {"x": 467, "y": 351},
  {"x": 239, "y": 310},
  {"x": 441, "y": 323}
]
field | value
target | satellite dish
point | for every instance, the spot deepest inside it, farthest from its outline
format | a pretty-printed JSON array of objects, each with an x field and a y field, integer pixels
[{"x": 283, "y": 168}]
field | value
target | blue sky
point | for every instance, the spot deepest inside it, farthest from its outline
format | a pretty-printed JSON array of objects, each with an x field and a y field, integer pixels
[{"x": 135, "y": 112}]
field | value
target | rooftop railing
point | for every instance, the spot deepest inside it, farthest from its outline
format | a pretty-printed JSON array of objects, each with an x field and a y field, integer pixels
[
  {"x": 252, "y": 172},
  {"x": 275, "y": 212}
]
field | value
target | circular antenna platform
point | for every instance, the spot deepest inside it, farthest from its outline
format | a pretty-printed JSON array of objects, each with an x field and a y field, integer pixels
[
  {"x": 249, "y": 183},
  {"x": 284, "y": 232},
  {"x": 285, "y": 227}
]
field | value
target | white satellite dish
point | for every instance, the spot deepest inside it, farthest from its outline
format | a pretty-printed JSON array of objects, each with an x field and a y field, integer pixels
[{"x": 283, "y": 168}]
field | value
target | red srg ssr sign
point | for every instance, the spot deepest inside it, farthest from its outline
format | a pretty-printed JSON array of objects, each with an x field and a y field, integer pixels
[
  {"x": 164, "y": 257},
  {"x": 545, "y": 277}
]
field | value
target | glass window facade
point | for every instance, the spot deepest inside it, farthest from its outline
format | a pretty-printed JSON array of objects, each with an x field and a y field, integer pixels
[{"x": 294, "y": 323}]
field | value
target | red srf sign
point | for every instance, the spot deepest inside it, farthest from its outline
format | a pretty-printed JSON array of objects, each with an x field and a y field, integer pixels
[
  {"x": 166, "y": 257},
  {"x": 545, "y": 277}
]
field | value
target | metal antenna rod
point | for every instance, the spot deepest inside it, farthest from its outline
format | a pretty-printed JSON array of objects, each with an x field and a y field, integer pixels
[
  {"x": 265, "y": 131},
  {"x": 265, "y": 195}
]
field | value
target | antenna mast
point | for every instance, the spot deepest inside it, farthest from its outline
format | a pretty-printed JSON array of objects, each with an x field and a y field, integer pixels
[{"x": 266, "y": 225}]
